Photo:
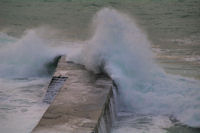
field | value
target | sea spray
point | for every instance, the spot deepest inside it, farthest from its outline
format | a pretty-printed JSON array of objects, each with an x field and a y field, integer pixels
[
  {"x": 23, "y": 74},
  {"x": 123, "y": 50},
  {"x": 120, "y": 48},
  {"x": 28, "y": 56}
]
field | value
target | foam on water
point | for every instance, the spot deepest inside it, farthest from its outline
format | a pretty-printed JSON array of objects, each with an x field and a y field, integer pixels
[
  {"x": 23, "y": 75},
  {"x": 142, "y": 124},
  {"x": 20, "y": 104},
  {"x": 120, "y": 48},
  {"x": 123, "y": 51}
]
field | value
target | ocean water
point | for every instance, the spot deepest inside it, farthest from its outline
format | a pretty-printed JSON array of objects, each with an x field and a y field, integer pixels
[
  {"x": 171, "y": 25},
  {"x": 152, "y": 98},
  {"x": 149, "y": 47},
  {"x": 23, "y": 76},
  {"x": 21, "y": 104}
]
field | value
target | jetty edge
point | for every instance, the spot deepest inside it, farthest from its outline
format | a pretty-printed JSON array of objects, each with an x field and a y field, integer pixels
[{"x": 83, "y": 104}]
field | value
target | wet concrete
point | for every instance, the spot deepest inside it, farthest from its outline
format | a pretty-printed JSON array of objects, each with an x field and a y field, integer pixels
[
  {"x": 53, "y": 88},
  {"x": 80, "y": 103}
]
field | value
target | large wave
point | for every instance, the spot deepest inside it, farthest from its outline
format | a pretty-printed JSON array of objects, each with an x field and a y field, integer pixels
[
  {"x": 119, "y": 48},
  {"x": 28, "y": 56},
  {"x": 123, "y": 51}
]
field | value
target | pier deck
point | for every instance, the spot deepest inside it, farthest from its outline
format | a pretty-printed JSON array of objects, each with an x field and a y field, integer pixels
[{"x": 79, "y": 104}]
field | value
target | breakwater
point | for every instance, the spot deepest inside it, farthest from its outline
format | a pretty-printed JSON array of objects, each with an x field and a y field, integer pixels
[{"x": 83, "y": 102}]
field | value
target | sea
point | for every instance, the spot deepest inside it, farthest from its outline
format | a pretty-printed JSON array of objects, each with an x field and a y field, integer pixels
[{"x": 150, "y": 48}]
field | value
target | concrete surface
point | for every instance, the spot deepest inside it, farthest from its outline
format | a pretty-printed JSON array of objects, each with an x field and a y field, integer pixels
[{"x": 78, "y": 106}]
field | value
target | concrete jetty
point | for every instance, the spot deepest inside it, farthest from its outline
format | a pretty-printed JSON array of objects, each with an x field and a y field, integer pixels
[{"x": 81, "y": 103}]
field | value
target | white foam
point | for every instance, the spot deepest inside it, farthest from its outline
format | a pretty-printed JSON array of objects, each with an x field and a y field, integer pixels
[
  {"x": 20, "y": 104},
  {"x": 124, "y": 50},
  {"x": 140, "y": 124},
  {"x": 26, "y": 56}
]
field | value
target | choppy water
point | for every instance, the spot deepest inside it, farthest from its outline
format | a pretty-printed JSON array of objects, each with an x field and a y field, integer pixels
[
  {"x": 20, "y": 104},
  {"x": 152, "y": 96},
  {"x": 25, "y": 70},
  {"x": 152, "y": 100},
  {"x": 22, "y": 80}
]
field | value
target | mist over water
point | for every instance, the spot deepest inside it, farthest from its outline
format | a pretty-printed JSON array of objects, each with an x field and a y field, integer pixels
[{"x": 123, "y": 51}]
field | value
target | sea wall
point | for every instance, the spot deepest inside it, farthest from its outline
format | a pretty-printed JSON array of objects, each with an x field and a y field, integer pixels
[
  {"x": 83, "y": 103},
  {"x": 109, "y": 112}
]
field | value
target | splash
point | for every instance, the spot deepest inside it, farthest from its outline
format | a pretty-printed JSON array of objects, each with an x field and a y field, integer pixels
[
  {"x": 23, "y": 74},
  {"x": 121, "y": 49},
  {"x": 29, "y": 56}
]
